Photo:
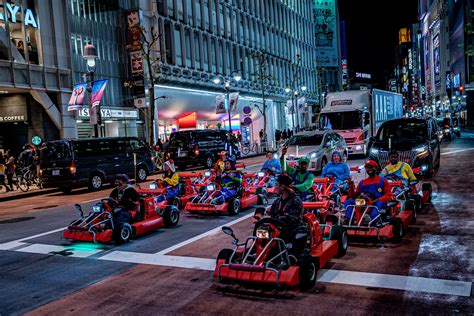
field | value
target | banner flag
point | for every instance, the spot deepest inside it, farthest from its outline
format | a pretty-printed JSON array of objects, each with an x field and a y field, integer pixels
[
  {"x": 220, "y": 104},
  {"x": 98, "y": 91},
  {"x": 233, "y": 98},
  {"x": 77, "y": 97}
]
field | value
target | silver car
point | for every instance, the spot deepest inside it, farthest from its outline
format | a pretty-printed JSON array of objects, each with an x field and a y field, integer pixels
[{"x": 318, "y": 146}]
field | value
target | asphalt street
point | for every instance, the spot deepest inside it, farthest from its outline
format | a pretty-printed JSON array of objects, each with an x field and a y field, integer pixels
[{"x": 169, "y": 271}]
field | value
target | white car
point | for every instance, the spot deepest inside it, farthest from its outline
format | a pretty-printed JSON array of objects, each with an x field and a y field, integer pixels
[{"x": 317, "y": 146}]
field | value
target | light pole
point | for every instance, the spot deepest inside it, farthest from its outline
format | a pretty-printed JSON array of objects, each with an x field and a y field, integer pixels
[
  {"x": 237, "y": 77},
  {"x": 294, "y": 97},
  {"x": 90, "y": 54}
]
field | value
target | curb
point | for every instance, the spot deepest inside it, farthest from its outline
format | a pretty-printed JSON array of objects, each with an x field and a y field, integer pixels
[{"x": 27, "y": 194}]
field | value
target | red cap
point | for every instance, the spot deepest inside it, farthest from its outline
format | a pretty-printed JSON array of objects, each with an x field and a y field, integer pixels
[{"x": 372, "y": 163}]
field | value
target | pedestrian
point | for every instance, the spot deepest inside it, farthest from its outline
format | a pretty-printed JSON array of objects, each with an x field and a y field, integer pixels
[
  {"x": 165, "y": 144},
  {"x": 285, "y": 134},
  {"x": 260, "y": 134},
  {"x": 10, "y": 169}
]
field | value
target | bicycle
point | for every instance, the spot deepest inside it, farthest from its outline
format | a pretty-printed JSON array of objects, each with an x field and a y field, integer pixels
[
  {"x": 25, "y": 179},
  {"x": 159, "y": 161},
  {"x": 246, "y": 149}
]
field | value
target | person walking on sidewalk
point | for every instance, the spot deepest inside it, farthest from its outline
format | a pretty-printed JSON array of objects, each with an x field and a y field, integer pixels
[{"x": 10, "y": 169}]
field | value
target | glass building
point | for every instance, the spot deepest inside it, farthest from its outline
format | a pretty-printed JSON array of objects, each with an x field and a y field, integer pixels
[{"x": 205, "y": 39}]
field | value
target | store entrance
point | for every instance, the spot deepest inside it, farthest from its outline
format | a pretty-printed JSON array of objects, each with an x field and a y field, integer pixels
[{"x": 13, "y": 136}]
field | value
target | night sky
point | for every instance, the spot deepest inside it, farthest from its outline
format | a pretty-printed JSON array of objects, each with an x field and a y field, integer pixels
[{"x": 372, "y": 33}]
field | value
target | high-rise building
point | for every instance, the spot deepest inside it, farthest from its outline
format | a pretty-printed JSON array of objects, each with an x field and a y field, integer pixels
[{"x": 266, "y": 41}]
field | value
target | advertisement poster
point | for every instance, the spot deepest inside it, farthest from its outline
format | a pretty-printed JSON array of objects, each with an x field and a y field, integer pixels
[
  {"x": 98, "y": 91},
  {"x": 326, "y": 33},
  {"x": 220, "y": 104},
  {"x": 289, "y": 105},
  {"x": 77, "y": 97},
  {"x": 436, "y": 60},
  {"x": 234, "y": 99}
]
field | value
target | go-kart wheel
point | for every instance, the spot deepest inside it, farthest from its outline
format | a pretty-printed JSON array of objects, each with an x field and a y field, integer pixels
[
  {"x": 418, "y": 203},
  {"x": 233, "y": 207},
  {"x": 262, "y": 196},
  {"x": 122, "y": 233},
  {"x": 340, "y": 234},
  {"x": 170, "y": 216},
  {"x": 209, "y": 162},
  {"x": 410, "y": 206},
  {"x": 427, "y": 191},
  {"x": 225, "y": 255},
  {"x": 309, "y": 267},
  {"x": 397, "y": 229}
]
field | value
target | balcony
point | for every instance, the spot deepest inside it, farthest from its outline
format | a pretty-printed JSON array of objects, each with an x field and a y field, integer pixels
[{"x": 29, "y": 76}]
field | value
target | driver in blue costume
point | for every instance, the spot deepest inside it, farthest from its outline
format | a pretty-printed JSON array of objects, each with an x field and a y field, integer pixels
[
  {"x": 338, "y": 168},
  {"x": 375, "y": 187},
  {"x": 230, "y": 181}
]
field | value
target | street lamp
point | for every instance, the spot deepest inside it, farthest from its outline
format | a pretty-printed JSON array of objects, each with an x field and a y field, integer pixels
[
  {"x": 237, "y": 77},
  {"x": 294, "y": 96},
  {"x": 90, "y": 55}
]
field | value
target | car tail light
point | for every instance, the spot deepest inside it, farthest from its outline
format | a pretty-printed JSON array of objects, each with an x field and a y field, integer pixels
[
  {"x": 196, "y": 151},
  {"x": 72, "y": 167}
]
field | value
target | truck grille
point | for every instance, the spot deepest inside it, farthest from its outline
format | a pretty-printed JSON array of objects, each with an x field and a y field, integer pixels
[
  {"x": 350, "y": 140},
  {"x": 405, "y": 156}
]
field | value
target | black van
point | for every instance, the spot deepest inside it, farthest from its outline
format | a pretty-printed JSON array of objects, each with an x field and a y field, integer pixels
[
  {"x": 200, "y": 147},
  {"x": 69, "y": 164},
  {"x": 417, "y": 141}
]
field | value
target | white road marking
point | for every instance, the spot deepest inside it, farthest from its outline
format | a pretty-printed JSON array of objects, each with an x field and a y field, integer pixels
[
  {"x": 210, "y": 232},
  {"x": 386, "y": 281},
  {"x": 42, "y": 234},
  {"x": 12, "y": 244},
  {"x": 48, "y": 249},
  {"x": 456, "y": 151},
  {"x": 396, "y": 282}
]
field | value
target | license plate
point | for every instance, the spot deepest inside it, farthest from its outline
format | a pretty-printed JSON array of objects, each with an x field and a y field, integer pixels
[
  {"x": 55, "y": 172},
  {"x": 182, "y": 154}
]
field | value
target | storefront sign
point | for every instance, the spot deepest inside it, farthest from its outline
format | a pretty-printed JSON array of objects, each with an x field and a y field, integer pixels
[
  {"x": 36, "y": 140},
  {"x": 14, "y": 118},
  {"x": 11, "y": 13},
  {"x": 111, "y": 113},
  {"x": 13, "y": 109}
]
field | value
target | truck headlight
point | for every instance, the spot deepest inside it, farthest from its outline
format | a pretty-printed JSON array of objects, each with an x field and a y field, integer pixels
[
  {"x": 358, "y": 147},
  {"x": 421, "y": 151}
]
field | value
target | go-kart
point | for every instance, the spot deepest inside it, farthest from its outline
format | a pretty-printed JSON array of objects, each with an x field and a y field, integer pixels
[
  {"x": 209, "y": 200},
  {"x": 98, "y": 225},
  {"x": 267, "y": 259},
  {"x": 186, "y": 191},
  {"x": 389, "y": 224}
]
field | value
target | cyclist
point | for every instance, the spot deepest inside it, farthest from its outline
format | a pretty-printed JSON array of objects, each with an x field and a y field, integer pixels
[{"x": 10, "y": 169}]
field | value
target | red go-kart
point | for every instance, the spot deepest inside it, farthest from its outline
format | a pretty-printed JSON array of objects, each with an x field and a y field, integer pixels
[
  {"x": 266, "y": 258},
  {"x": 98, "y": 225},
  {"x": 208, "y": 201},
  {"x": 186, "y": 191}
]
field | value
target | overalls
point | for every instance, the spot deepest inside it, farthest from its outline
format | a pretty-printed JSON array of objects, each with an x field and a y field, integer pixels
[{"x": 375, "y": 191}]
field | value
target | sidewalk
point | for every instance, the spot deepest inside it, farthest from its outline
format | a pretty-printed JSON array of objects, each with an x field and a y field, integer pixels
[{"x": 18, "y": 194}]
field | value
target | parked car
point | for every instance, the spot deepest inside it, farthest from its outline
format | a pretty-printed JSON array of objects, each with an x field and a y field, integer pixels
[
  {"x": 318, "y": 146},
  {"x": 417, "y": 141},
  {"x": 69, "y": 164},
  {"x": 200, "y": 147},
  {"x": 446, "y": 127}
]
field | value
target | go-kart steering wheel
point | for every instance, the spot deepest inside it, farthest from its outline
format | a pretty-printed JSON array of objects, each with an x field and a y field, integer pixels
[
  {"x": 112, "y": 203},
  {"x": 268, "y": 220},
  {"x": 331, "y": 175}
]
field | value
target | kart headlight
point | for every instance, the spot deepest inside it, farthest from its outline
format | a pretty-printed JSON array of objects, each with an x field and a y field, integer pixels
[
  {"x": 207, "y": 174},
  {"x": 446, "y": 130},
  {"x": 211, "y": 187},
  {"x": 152, "y": 186},
  {"x": 374, "y": 151},
  {"x": 424, "y": 168},
  {"x": 263, "y": 233},
  {"x": 360, "y": 202},
  {"x": 261, "y": 174},
  {"x": 421, "y": 151},
  {"x": 312, "y": 155},
  {"x": 96, "y": 208}
]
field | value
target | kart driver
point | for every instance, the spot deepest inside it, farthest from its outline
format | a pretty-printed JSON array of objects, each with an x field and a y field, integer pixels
[
  {"x": 338, "y": 168},
  {"x": 271, "y": 165},
  {"x": 399, "y": 169},
  {"x": 170, "y": 181},
  {"x": 219, "y": 165},
  {"x": 288, "y": 207},
  {"x": 302, "y": 178},
  {"x": 375, "y": 187},
  {"x": 230, "y": 181},
  {"x": 126, "y": 197}
]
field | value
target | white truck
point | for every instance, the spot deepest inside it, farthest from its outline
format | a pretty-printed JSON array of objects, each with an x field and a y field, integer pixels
[{"x": 357, "y": 114}]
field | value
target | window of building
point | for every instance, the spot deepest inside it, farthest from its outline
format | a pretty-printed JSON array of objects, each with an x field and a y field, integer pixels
[
  {"x": 234, "y": 25},
  {"x": 221, "y": 55},
  {"x": 228, "y": 54},
  {"x": 241, "y": 28},
  {"x": 187, "y": 42},
  {"x": 206, "y": 14},
  {"x": 205, "y": 53},
  {"x": 189, "y": 12},
  {"x": 221, "y": 21},
  {"x": 177, "y": 46},
  {"x": 197, "y": 51},
  {"x": 168, "y": 43},
  {"x": 179, "y": 4},
  {"x": 198, "y": 14},
  {"x": 213, "y": 55},
  {"x": 171, "y": 8},
  {"x": 214, "y": 8}
]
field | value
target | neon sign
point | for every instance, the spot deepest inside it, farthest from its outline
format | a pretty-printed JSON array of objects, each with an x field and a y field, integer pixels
[{"x": 13, "y": 9}]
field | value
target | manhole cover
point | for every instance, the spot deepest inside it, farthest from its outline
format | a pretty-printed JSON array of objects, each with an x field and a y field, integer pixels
[
  {"x": 16, "y": 220},
  {"x": 44, "y": 207}
]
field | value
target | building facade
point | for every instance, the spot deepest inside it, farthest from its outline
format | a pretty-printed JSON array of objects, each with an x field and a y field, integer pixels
[
  {"x": 205, "y": 39},
  {"x": 36, "y": 76}
]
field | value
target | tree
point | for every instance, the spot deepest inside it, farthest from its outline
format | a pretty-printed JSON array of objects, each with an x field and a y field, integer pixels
[{"x": 152, "y": 57}]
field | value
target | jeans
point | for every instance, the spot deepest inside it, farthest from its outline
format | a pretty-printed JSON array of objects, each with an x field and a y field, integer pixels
[
  {"x": 225, "y": 194},
  {"x": 170, "y": 193},
  {"x": 373, "y": 212}
]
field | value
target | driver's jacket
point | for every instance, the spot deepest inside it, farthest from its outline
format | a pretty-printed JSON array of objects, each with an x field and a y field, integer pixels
[
  {"x": 400, "y": 170},
  {"x": 291, "y": 209},
  {"x": 126, "y": 197},
  {"x": 171, "y": 180},
  {"x": 231, "y": 179},
  {"x": 377, "y": 188}
]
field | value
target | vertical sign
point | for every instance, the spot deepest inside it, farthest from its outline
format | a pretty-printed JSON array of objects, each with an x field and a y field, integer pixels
[
  {"x": 436, "y": 60},
  {"x": 136, "y": 58},
  {"x": 327, "y": 54}
]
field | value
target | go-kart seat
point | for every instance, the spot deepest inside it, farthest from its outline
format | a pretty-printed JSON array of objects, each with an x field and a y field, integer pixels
[
  {"x": 140, "y": 213},
  {"x": 298, "y": 238},
  {"x": 181, "y": 188}
]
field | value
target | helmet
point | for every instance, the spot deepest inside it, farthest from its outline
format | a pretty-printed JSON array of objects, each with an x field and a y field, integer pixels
[{"x": 303, "y": 160}]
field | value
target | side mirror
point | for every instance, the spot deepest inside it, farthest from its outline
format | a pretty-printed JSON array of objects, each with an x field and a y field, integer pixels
[
  {"x": 228, "y": 231},
  {"x": 79, "y": 208}
]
